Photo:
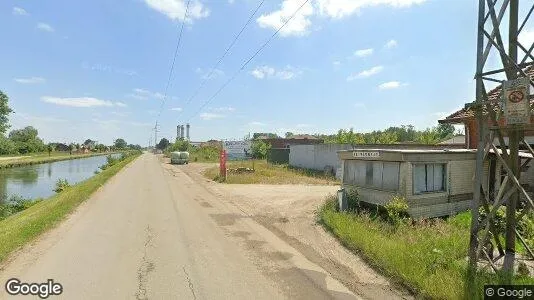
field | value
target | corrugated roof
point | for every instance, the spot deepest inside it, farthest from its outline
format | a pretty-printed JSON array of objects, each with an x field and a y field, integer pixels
[{"x": 493, "y": 96}]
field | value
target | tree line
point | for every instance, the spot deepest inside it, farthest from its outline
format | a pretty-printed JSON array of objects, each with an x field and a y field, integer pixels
[
  {"x": 391, "y": 135},
  {"x": 26, "y": 140}
]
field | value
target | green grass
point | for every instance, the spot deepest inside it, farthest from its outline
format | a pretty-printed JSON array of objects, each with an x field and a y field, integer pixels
[
  {"x": 44, "y": 158},
  {"x": 266, "y": 173},
  {"x": 429, "y": 258},
  {"x": 21, "y": 228}
]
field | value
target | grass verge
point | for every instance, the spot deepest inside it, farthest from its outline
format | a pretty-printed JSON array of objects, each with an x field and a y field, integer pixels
[
  {"x": 428, "y": 257},
  {"x": 20, "y": 228},
  {"x": 265, "y": 173},
  {"x": 44, "y": 158}
]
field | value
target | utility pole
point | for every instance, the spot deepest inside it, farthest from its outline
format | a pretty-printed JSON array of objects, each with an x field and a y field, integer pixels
[{"x": 500, "y": 113}]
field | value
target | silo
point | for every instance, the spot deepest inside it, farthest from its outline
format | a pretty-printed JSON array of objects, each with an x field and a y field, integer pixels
[
  {"x": 187, "y": 127},
  {"x": 182, "y": 132}
]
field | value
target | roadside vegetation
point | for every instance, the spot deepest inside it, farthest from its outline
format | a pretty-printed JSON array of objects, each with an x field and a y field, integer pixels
[
  {"x": 241, "y": 172},
  {"x": 25, "y": 220},
  {"x": 427, "y": 256},
  {"x": 208, "y": 153}
]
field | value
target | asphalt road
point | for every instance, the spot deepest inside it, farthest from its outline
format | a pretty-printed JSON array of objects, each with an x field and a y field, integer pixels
[{"x": 154, "y": 234}]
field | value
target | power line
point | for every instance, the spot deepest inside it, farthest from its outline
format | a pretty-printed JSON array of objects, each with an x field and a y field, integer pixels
[
  {"x": 206, "y": 78},
  {"x": 249, "y": 60},
  {"x": 174, "y": 58}
]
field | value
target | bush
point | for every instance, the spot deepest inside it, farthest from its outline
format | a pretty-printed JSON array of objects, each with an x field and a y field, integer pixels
[
  {"x": 14, "y": 204},
  {"x": 353, "y": 199},
  {"x": 397, "y": 210},
  {"x": 61, "y": 185}
]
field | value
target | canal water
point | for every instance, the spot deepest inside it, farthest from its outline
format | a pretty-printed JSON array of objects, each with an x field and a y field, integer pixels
[{"x": 39, "y": 181}]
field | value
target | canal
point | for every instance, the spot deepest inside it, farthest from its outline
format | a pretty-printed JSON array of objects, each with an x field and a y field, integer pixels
[{"x": 39, "y": 181}]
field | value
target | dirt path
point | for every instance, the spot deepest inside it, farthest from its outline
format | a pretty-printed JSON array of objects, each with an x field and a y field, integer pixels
[
  {"x": 289, "y": 211},
  {"x": 152, "y": 232}
]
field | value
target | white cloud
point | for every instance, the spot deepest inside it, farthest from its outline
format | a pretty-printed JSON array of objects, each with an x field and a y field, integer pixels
[
  {"x": 45, "y": 27},
  {"x": 343, "y": 8},
  {"x": 335, "y": 9},
  {"x": 256, "y": 123},
  {"x": 300, "y": 23},
  {"x": 109, "y": 69},
  {"x": 266, "y": 72},
  {"x": 210, "y": 73},
  {"x": 526, "y": 37},
  {"x": 210, "y": 116},
  {"x": 30, "y": 80},
  {"x": 175, "y": 9},
  {"x": 143, "y": 94},
  {"x": 176, "y": 109},
  {"x": 304, "y": 126},
  {"x": 366, "y": 73},
  {"x": 231, "y": 1},
  {"x": 223, "y": 109},
  {"x": 19, "y": 11},
  {"x": 81, "y": 102},
  {"x": 364, "y": 52},
  {"x": 391, "y": 85},
  {"x": 359, "y": 105},
  {"x": 391, "y": 44},
  {"x": 336, "y": 63}
]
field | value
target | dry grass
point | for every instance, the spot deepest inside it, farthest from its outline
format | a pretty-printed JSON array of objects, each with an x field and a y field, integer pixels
[{"x": 265, "y": 173}]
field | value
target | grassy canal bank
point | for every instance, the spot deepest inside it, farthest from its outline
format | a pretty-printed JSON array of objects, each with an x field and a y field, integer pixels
[
  {"x": 17, "y": 161},
  {"x": 22, "y": 227},
  {"x": 429, "y": 257}
]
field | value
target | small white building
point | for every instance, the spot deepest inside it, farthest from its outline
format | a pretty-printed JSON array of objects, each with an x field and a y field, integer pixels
[{"x": 434, "y": 182}]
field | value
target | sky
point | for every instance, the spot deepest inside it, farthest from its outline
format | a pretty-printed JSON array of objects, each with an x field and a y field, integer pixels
[{"x": 99, "y": 69}]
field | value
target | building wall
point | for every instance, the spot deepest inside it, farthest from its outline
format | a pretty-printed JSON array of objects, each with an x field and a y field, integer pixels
[
  {"x": 317, "y": 157},
  {"x": 457, "y": 196}
]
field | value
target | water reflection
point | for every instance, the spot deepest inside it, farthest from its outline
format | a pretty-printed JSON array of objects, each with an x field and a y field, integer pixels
[{"x": 38, "y": 181}]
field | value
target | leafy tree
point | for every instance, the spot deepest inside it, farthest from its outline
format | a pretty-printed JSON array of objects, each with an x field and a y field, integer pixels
[
  {"x": 163, "y": 144},
  {"x": 259, "y": 149},
  {"x": 4, "y": 112},
  {"x": 135, "y": 147},
  {"x": 120, "y": 144},
  {"x": 430, "y": 136},
  {"x": 445, "y": 131},
  {"x": 89, "y": 144},
  {"x": 50, "y": 148},
  {"x": 101, "y": 147},
  {"x": 180, "y": 145},
  {"x": 71, "y": 148},
  {"x": 256, "y": 135},
  {"x": 289, "y": 134},
  {"x": 7, "y": 146},
  {"x": 26, "y": 140}
]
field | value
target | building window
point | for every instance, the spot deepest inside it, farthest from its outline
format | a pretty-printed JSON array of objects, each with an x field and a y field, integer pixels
[
  {"x": 372, "y": 174},
  {"x": 428, "y": 178}
]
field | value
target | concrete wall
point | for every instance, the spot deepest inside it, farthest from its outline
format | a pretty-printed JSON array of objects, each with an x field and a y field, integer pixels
[{"x": 316, "y": 157}]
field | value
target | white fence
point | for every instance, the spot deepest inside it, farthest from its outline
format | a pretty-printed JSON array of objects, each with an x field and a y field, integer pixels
[{"x": 316, "y": 157}]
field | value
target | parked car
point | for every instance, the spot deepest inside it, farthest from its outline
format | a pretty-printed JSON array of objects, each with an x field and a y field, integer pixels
[{"x": 179, "y": 158}]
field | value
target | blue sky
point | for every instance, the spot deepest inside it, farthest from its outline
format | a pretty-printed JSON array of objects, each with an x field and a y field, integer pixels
[{"x": 98, "y": 69}]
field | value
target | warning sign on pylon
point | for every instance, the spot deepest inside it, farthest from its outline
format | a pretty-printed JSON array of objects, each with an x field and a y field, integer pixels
[{"x": 516, "y": 101}]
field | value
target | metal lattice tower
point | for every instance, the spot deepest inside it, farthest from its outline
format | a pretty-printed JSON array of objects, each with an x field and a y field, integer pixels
[{"x": 494, "y": 125}]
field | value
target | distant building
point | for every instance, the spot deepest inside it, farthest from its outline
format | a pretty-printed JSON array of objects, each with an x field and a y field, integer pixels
[{"x": 455, "y": 141}]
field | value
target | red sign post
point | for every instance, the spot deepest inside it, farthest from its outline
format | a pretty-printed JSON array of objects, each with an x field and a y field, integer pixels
[{"x": 222, "y": 164}]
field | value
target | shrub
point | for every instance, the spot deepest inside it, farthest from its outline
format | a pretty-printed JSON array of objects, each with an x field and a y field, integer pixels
[
  {"x": 353, "y": 199},
  {"x": 14, "y": 204},
  {"x": 397, "y": 210},
  {"x": 61, "y": 185}
]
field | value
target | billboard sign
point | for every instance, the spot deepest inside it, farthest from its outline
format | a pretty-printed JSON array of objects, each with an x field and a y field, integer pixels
[
  {"x": 516, "y": 101},
  {"x": 236, "y": 150}
]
